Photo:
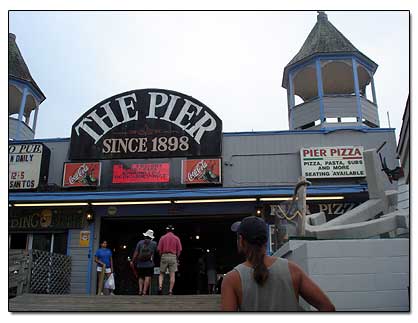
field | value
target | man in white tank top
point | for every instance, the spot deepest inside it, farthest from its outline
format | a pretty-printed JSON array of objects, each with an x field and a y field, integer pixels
[{"x": 265, "y": 283}]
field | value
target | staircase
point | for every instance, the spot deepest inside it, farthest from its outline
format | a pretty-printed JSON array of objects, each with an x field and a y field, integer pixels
[{"x": 115, "y": 303}]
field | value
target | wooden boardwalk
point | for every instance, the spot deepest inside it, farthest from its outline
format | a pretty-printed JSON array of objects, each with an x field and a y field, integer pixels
[{"x": 115, "y": 303}]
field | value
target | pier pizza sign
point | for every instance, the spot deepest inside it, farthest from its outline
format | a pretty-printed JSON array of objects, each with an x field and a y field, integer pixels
[{"x": 332, "y": 162}]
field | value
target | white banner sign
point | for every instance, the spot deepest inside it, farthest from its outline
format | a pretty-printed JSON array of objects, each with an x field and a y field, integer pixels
[
  {"x": 332, "y": 162},
  {"x": 24, "y": 166}
]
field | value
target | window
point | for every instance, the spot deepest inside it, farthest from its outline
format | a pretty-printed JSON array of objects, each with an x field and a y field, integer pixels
[
  {"x": 50, "y": 242},
  {"x": 18, "y": 241}
]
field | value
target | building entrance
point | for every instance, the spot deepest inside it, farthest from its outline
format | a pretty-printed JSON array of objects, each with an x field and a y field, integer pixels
[{"x": 207, "y": 243}]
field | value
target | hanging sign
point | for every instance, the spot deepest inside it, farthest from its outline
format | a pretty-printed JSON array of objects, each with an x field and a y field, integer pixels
[
  {"x": 201, "y": 171},
  {"x": 146, "y": 123},
  {"x": 332, "y": 162},
  {"x": 81, "y": 174},
  {"x": 28, "y": 165},
  {"x": 141, "y": 173}
]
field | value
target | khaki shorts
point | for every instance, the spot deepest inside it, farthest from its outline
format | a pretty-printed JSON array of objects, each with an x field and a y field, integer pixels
[{"x": 169, "y": 261}]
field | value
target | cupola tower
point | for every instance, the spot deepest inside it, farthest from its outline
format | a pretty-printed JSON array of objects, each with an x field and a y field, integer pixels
[
  {"x": 24, "y": 96},
  {"x": 326, "y": 82}
]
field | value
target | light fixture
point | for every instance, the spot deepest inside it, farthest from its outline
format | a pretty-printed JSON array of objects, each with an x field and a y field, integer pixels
[
  {"x": 266, "y": 199},
  {"x": 309, "y": 198},
  {"x": 314, "y": 198},
  {"x": 258, "y": 211},
  {"x": 207, "y": 250},
  {"x": 216, "y": 200},
  {"x": 52, "y": 204},
  {"x": 131, "y": 202},
  {"x": 197, "y": 237},
  {"x": 90, "y": 215}
]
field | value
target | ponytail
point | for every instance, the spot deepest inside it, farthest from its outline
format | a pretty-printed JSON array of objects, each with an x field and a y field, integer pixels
[{"x": 255, "y": 255}]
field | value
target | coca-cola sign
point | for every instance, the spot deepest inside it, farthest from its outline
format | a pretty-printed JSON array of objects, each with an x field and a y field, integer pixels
[
  {"x": 81, "y": 174},
  {"x": 201, "y": 171}
]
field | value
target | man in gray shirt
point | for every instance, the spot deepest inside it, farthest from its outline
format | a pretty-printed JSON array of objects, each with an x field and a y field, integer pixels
[{"x": 265, "y": 283}]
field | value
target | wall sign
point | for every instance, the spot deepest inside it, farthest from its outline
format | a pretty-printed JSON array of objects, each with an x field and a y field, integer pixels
[
  {"x": 81, "y": 174},
  {"x": 331, "y": 209},
  {"x": 332, "y": 162},
  {"x": 201, "y": 171},
  {"x": 146, "y": 123},
  {"x": 24, "y": 219},
  {"x": 141, "y": 173},
  {"x": 84, "y": 238},
  {"x": 28, "y": 165}
]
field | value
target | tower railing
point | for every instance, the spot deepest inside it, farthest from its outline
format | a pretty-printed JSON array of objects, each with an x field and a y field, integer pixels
[
  {"x": 339, "y": 110},
  {"x": 26, "y": 133}
]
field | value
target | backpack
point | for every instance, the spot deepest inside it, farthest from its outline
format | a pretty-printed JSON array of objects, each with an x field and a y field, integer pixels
[{"x": 145, "y": 252}]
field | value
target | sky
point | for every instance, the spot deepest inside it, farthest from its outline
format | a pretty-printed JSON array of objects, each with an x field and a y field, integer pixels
[{"x": 231, "y": 61}]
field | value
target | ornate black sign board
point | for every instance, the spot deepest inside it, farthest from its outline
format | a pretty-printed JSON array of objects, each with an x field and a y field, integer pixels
[{"x": 146, "y": 123}]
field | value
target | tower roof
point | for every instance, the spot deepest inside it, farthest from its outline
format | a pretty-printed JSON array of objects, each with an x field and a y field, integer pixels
[
  {"x": 17, "y": 66},
  {"x": 324, "y": 38}
]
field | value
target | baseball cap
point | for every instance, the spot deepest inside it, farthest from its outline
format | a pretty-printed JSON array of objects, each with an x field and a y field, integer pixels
[{"x": 252, "y": 228}]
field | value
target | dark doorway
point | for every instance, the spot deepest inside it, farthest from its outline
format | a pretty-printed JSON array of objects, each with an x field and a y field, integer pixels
[{"x": 198, "y": 235}]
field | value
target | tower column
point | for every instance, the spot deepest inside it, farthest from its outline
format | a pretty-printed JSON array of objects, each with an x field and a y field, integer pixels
[
  {"x": 357, "y": 91},
  {"x": 320, "y": 90},
  {"x": 291, "y": 100},
  {"x": 35, "y": 119},
  {"x": 21, "y": 110},
  {"x": 374, "y": 92}
]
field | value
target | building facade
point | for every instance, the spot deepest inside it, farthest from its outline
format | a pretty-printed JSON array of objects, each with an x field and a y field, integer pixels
[{"x": 146, "y": 158}]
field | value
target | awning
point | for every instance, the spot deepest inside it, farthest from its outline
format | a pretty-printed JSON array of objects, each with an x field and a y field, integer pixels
[{"x": 169, "y": 194}]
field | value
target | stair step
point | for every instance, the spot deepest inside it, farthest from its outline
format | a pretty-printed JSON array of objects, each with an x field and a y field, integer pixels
[{"x": 115, "y": 303}]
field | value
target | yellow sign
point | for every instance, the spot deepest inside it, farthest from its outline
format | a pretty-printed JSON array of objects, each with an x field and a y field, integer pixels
[{"x": 84, "y": 238}]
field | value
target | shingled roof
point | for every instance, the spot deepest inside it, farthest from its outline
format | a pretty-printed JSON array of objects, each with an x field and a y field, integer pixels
[
  {"x": 17, "y": 66},
  {"x": 324, "y": 38}
]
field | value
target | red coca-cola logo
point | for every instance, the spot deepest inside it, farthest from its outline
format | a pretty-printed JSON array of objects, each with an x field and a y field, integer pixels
[
  {"x": 198, "y": 171},
  {"x": 79, "y": 175}
]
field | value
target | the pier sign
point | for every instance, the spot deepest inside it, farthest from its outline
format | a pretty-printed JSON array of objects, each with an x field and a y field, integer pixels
[
  {"x": 146, "y": 123},
  {"x": 332, "y": 162}
]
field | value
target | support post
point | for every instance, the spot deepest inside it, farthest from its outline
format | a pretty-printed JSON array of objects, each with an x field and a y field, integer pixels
[
  {"x": 21, "y": 111},
  {"x": 35, "y": 119},
  {"x": 301, "y": 208},
  {"x": 357, "y": 91},
  {"x": 291, "y": 100},
  {"x": 320, "y": 89},
  {"x": 374, "y": 92}
]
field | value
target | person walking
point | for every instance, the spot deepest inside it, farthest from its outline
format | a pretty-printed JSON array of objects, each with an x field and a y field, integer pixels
[
  {"x": 103, "y": 258},
  {"x": 143, "y": 257},
  {"x": 211, "y": 271},
  {"x": 169, "y": 247},
  {"x": 265, "y": 283}
]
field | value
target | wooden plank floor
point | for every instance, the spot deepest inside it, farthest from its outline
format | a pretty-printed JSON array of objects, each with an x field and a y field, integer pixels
[{"x": 115, "y": 303}]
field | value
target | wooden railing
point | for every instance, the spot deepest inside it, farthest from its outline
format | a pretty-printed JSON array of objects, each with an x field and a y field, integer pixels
[{"x": 19, "y": 272}]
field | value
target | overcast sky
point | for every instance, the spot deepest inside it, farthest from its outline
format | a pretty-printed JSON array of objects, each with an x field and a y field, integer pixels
[{"x": 231, "y": 61}]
